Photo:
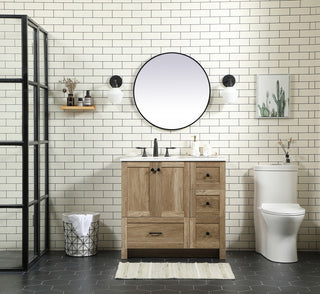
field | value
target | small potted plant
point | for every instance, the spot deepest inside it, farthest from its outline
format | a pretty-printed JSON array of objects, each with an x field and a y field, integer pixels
[{"x": 70, "y": 86}]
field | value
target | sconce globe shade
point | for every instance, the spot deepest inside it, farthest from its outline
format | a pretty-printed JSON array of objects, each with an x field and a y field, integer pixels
[
  {"x": 230, "y": 94},
  {"x": 115, "y": 95}
]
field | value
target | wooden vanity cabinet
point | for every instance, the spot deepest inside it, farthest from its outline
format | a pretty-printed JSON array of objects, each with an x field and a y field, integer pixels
[
  {"x": 173, "y": 204},
  {"x": 207, "y": 221}
]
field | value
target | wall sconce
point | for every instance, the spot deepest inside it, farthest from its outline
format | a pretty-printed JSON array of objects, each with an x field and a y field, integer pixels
[
  {"x": 115, "y": 94},
  {"x": 230, "y": 94}
]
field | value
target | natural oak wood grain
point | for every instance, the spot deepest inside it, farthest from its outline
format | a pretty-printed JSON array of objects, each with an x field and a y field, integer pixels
[
  {"x": 204, "y": 235},
  {"x": 205, "y": 204},
  {"x": 155, "y": 235},
  {"x": 172, "y": 189},
  {"x": 124, "y": 246},
  {"x": 166, "y": 220},
  {"x": 207, "y": 175},
  {"x": 172, "y": 205},
  {"x": 222, "y": 251},
  {"x": 140, "y": 192},
  {"x": 208, "y": 179},
  {"x": 65, "y": 107}
]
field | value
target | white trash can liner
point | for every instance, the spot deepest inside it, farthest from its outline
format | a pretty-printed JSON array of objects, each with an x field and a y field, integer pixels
[{"x": 80, "y": 246}]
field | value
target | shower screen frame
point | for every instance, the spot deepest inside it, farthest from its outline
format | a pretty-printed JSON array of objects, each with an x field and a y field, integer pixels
[{"x": 34, "y": 206}]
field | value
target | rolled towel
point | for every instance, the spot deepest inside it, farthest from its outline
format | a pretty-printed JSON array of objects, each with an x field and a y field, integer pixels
[{"x": 81, "y": 223}]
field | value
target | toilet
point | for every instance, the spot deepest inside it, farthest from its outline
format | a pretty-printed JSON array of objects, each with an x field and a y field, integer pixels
[{"x": 277, "y": 216}]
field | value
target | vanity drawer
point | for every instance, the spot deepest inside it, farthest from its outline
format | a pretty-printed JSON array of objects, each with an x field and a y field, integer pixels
[
  {"x": 155, "y": 235},
  {"x": 204, "y": 235},
  {"x": 207, "y": 206},
  {"x": 208, "y": 175}
]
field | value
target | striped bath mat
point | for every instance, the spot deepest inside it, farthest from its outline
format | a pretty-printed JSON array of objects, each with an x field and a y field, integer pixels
[{"x": 173, "y": 270}]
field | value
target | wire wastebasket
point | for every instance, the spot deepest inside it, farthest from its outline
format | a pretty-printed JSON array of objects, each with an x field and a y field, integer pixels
[{"x": 80, "y": 246}]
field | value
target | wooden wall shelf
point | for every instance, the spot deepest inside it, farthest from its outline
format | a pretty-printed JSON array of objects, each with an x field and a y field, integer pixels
[{"x": 65, "y": 107}]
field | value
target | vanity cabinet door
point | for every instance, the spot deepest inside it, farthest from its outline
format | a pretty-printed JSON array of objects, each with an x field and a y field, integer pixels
[
  {"x": 155, "y": 189},
  {"x": 138, "y": 189},
  {"x": 172, "y": 189}
]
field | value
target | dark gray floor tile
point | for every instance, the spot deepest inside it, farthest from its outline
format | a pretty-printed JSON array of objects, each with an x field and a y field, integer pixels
[
  {"x": 263, "y": 289},
  {"x": 152, "y": 287},
  {"x": 58, "y": 273},
  {"x": 195, "y": 292}
]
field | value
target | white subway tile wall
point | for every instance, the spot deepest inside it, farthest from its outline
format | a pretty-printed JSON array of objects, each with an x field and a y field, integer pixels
[{"x": 91, "y": 40}]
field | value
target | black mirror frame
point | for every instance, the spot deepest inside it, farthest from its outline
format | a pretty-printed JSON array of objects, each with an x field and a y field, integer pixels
[{"x": 134, "y": 96}]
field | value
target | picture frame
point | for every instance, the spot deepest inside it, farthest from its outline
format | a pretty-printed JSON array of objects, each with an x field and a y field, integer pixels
[{"x": 272, "y": 96}]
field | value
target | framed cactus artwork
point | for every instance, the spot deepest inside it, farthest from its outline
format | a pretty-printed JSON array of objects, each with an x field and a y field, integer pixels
[{"x": 273, "y": 96}]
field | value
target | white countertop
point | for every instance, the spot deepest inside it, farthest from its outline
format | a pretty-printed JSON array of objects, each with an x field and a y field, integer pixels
[{"x": 173, "y": 158}]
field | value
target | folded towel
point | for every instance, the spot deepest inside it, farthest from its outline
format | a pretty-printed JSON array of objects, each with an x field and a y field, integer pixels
[{"x": 81, "y": 223}]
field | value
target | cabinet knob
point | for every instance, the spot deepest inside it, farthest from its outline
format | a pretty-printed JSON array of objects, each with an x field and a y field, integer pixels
[
  {"x": 158, "y": 169},
  {"x": 208, "y": 175},
  {"x": 207, "y": 203},
  {"x": 207, "y": 233},
  {"x": 153, "y": 170}
]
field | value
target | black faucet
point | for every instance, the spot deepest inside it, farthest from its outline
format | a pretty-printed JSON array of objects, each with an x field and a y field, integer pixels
[{"x": 155, "y": 148}]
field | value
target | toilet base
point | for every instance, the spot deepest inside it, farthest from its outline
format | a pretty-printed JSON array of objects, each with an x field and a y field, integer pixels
[
  {"x": 278, "y": 237},
  {"x": 279, "y": 261},
  {"x": 283, "y": 251}
]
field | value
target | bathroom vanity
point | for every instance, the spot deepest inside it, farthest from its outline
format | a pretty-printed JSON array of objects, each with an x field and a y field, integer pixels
[{"x": 173, "y": 204}]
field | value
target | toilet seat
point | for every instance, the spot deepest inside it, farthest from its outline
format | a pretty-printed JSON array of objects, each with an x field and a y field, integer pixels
[{"x": 284, "y": 209}]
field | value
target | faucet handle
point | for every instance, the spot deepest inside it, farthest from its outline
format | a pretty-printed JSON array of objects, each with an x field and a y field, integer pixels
[
  {"x": 167, "y": 151},
  {"x": 144, "y": 154}
]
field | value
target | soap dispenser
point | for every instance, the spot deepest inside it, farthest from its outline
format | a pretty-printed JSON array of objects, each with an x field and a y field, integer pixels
[
  {"x": 87, "y": 99},
  {"x": 195, "y": 147}
]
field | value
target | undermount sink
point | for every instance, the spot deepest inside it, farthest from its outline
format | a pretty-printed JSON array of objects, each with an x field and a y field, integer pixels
[{"x": 173, "y": 158}]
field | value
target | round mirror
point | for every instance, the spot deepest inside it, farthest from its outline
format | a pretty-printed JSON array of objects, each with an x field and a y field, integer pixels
[{"x": 171, "y": 91}]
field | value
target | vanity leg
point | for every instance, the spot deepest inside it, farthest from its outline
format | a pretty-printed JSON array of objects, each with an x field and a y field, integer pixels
[
  {"x": 124, "y": 253},
  {"x": 124, "y": 249},
  {"x": 222, "y": 253}
]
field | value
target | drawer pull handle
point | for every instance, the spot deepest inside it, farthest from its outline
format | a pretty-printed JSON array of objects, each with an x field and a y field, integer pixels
[
  {"x": 207, "y": 233},
  {"x": 155, "y": 233},
  {"x": 208, "y": 175},
  {"x": 207, "y": 203}
]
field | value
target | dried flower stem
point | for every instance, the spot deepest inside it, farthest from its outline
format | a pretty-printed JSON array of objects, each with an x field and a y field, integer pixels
[
  {"x": 70, "y": 84},
  {"x": 283, "y": 147}
]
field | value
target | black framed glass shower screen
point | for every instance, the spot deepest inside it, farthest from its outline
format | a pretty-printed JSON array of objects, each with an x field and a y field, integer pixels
[{"x": 24, "y": 150}]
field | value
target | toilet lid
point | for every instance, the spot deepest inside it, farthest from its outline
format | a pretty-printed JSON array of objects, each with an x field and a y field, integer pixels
[{"x": 282, "y": 208}]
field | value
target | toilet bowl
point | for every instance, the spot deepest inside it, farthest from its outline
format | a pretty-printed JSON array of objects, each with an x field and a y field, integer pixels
[
  {"x": 282, "y": 225},
  {"x": 277, "y": 216}
]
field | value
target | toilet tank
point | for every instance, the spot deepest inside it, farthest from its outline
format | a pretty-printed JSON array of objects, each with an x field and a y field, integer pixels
[{"x": 275, "y": 184}]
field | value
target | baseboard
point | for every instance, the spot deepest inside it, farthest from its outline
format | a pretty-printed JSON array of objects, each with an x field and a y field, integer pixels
[{"x": 188, "y": 253}]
